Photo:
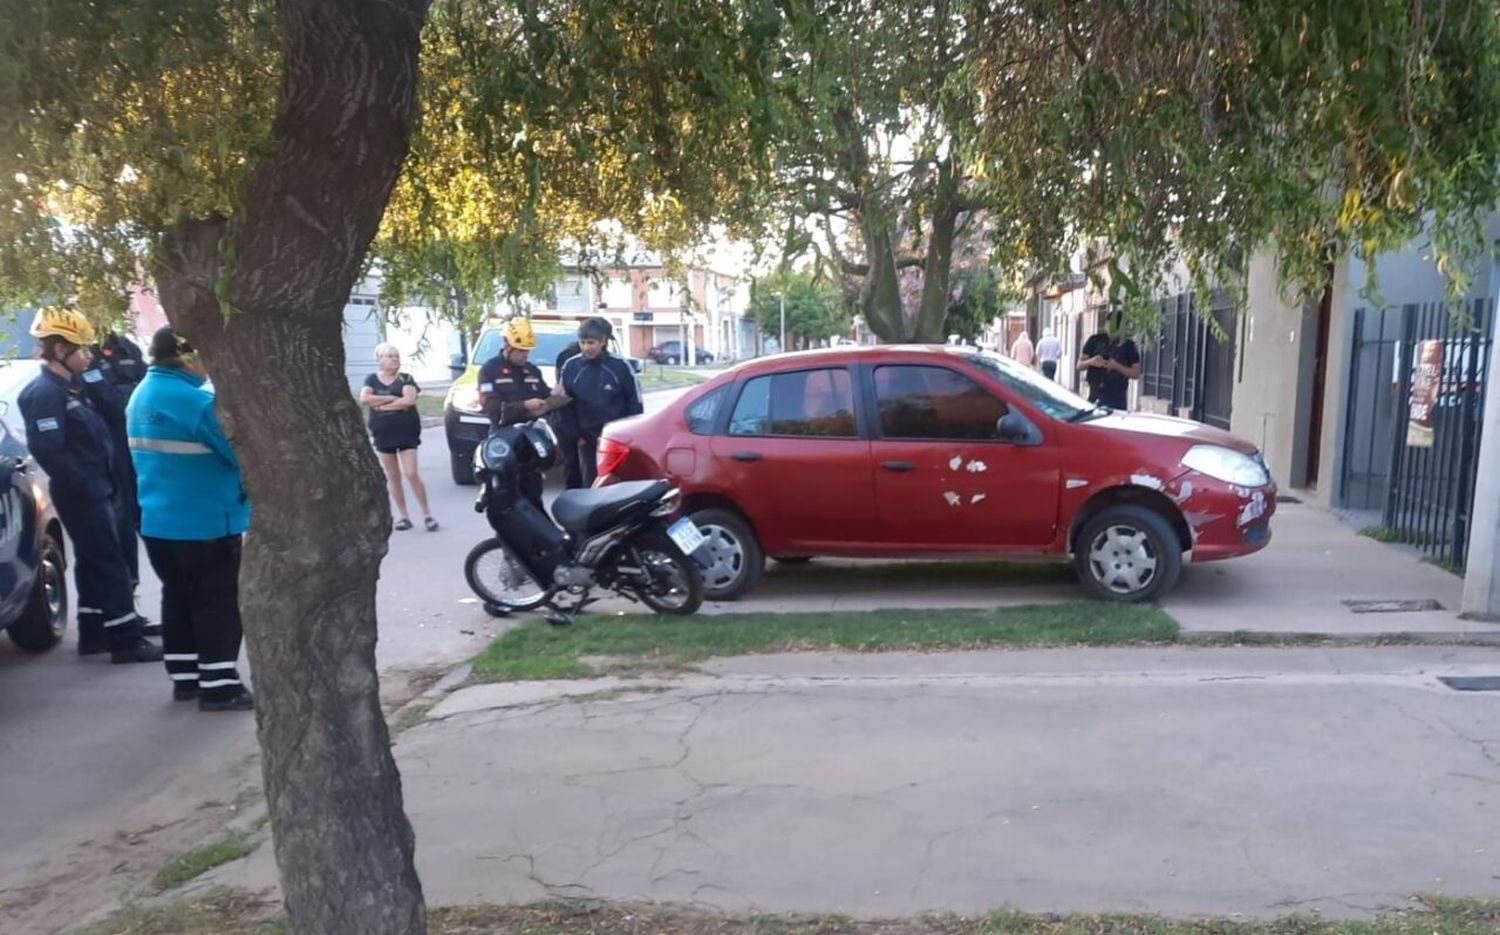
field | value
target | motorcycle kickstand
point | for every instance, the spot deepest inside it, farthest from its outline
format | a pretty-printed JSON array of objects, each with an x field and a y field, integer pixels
[{"x": 558, "y": 618}]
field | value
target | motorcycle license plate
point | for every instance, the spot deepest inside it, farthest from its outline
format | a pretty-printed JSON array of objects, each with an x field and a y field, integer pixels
[{"x": 686, "y": 535}]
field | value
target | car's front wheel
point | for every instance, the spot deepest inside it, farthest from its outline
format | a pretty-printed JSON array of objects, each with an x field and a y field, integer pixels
[
  {"x": 735, "y": 559},
  {"x": 41, "y": 625},
  {"x": 1128, "y": 553}
]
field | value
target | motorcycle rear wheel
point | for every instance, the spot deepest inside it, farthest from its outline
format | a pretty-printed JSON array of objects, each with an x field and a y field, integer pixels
[
  {"x": 498, "y": 577},
  {"x": 676, "y": 581}
]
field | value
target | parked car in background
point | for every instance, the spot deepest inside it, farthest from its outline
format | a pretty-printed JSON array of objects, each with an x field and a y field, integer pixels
[
  {"x": 937, "y": 450},
  {"x": 671, "y": 352},
  {"x": 33, "y": 566},
  {"x": 464, "y": 423},
  {"x": 14, "y": 375}
]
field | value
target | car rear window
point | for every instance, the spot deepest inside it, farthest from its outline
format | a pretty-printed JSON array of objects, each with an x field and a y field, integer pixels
[
  {"x": 703, "y": 414},
  {"x": 805, "y": 402}
]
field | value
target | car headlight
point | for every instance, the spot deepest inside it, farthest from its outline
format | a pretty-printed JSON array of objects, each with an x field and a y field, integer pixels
[
  {"x": 493, "y": 452},
  {"x": 1227, "y": 465},
  {"x": 465, "y": 398}
]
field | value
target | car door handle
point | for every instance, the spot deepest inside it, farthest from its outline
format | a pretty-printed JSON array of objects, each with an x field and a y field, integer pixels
[
  {"x": 898, "y": 465},
  {"x": 747, "y": 456}
]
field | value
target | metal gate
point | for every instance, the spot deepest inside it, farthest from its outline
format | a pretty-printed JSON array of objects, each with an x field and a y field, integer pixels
[
  {"x": 1188, "y": 364},
  {"x": 1422, "y": 481}
]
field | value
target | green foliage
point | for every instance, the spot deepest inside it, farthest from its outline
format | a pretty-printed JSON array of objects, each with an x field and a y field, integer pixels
[
  {"x": 814, "y": 309},
  {"x": 1142, "y": 133},
  {"x": 117, "y": 120},
  {"x": 976, "y": 296},
  {"x": 1202, "y": 132}
]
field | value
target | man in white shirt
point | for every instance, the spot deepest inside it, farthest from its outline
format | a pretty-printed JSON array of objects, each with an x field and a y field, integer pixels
[{"x": 1049, "y": 351}]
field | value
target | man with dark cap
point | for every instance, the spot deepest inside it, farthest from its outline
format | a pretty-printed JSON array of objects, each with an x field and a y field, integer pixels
[{"x": 603, "y": 389}]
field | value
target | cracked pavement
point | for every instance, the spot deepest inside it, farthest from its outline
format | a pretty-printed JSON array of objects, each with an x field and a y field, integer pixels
[{"x": 1180, "y": 781}]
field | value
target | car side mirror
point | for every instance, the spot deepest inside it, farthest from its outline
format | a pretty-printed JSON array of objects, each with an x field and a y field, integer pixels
[
  {"x": 458, "y": 363},
  {"x": 1017, "y": 430}
]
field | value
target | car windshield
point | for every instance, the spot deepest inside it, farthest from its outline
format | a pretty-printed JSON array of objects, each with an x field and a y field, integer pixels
[{"x": 1050, "y": 397}]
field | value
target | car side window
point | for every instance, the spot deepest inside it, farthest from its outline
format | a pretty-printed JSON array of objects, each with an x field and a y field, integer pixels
[
  {"x": 703, "y": 414},
  {"x": 934, "y": 402},
  {"x": 817, "y": 403}
]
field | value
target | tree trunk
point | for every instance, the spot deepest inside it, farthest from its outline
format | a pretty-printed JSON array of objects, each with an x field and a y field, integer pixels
[
  {"x": 932, "y": 315},
  {"x": 344, "y": 847},
  {"x": 880, "y": 294}
]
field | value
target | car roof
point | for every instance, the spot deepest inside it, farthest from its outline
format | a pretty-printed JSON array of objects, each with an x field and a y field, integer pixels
[{"x": 843, "y": 356}]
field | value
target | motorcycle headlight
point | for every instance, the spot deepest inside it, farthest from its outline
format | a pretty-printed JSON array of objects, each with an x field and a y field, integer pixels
[
  {"x": 465, "y": 398},
  {"x": 493, "y": 452},
  {"x": 1227, "y": 465}
]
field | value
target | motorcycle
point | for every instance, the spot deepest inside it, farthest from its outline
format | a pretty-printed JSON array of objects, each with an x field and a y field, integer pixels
[{"x": 618, "y": 538}]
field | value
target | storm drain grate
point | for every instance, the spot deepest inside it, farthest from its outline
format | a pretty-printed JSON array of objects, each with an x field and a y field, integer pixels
[
  {"x": 1286, "y": 498},
  {"x": 1392, "y": 607},
  {"x": 1471, "y": 683}
]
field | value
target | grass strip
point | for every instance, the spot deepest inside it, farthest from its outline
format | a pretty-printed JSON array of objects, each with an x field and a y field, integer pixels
[{"x": 535, "y": 650}]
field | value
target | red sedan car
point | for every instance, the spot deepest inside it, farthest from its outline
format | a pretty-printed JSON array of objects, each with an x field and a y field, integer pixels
[{"x": 919, "y": 451}]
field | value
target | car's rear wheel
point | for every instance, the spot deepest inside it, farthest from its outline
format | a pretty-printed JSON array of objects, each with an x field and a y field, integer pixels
[
  {"x": 735, "y": 560},
  {"x": 463, "y": 468},
  {"x": 1128, "y": 553},
  {"x": 40, "y": 626}
]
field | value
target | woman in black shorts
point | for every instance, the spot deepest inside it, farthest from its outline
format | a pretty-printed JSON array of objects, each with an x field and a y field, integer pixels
[{"x": 396, "y": 428}]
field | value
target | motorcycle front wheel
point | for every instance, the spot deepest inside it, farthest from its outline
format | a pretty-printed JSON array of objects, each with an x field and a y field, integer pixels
[
  {"x": 674, "y": 581},
  {"x": 498, "y": 577}
]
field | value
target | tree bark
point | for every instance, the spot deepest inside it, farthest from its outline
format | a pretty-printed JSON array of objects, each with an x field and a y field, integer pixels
[{"x": 343, "y": 844}]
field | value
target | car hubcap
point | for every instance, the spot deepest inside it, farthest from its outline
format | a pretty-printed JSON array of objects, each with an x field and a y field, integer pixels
[
  {"x": 54, "y": 591},
  {"x": 726, "y": 557},
  {"x": 1122, "y": 559}
]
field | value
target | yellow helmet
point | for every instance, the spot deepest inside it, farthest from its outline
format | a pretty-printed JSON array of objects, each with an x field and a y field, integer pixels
[
  {"x": 62, "y": 323},
  {"x": 519, "y": 334}
]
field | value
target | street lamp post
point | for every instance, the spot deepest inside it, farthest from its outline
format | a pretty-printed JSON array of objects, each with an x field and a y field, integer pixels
[{"x": 781, "y": 298}]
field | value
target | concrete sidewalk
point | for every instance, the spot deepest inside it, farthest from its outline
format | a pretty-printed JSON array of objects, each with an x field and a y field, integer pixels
[
  {"x": 1167, "y": 780},
  {"x": 1176, "y": 780}
]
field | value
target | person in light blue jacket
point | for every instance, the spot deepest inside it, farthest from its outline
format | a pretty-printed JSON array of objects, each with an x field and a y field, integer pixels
[{"x": 194, "y": 513}]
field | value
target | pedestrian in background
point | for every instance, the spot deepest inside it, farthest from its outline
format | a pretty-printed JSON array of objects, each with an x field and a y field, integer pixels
[
  {"x": 1022, "y": 351},
  {"x": 1109, "y": 362},
  {"x": 194, "y": 512},
  {"x": 71, "y": 441},
  {"x": 1049, "y": 352},
  {"x": 603, "y": 389},
  {"x": 396, "y": 427}
]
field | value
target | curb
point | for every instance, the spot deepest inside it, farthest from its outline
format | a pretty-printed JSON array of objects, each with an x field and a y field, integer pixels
[{"x": 1221, "y": 638}]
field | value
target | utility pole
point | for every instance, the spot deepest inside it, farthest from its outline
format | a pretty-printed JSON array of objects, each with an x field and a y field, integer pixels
[
  {"x": 781, "y": 297},
  {"x": 1481, "y": 596}
]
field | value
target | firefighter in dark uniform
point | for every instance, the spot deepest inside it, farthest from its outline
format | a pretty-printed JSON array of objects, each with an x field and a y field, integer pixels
[
  {"x": 511, "y": 388},
  {"x": 71, "y": 441},
  {"x": 123, "y": 366},
  {"x": 602, "y": 387},
  {"x": 117, "y": 366}
]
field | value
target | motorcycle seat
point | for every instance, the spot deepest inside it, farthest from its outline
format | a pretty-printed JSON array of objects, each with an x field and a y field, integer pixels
[{"x": 587, "y": 511}]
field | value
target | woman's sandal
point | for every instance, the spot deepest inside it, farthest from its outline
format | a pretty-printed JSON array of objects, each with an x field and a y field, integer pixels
[
  {"x": 403, "y": 523},
  {"x": 432, "y": 524}
]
